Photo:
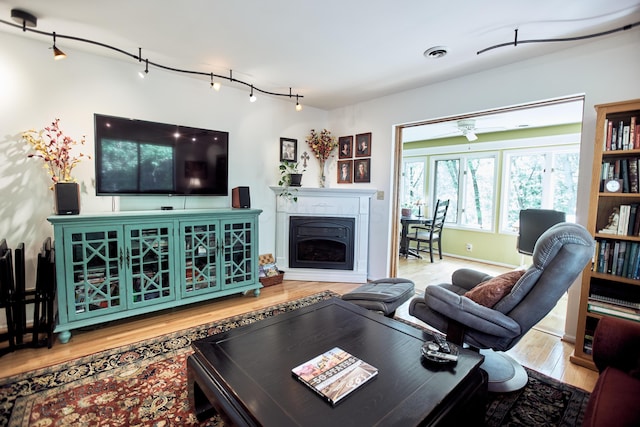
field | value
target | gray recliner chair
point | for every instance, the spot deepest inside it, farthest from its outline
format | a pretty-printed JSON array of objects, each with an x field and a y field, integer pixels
[{"x": 560, "y": 254}]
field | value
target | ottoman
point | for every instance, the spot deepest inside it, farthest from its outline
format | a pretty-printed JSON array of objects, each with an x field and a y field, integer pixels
[{"x": 384, "y": 295}]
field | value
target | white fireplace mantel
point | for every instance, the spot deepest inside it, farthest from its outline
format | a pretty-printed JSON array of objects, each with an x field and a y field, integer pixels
[{"x": 338, "y": 202}]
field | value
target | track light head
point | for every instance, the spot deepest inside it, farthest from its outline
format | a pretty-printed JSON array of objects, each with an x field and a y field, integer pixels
[
  {"x": 57, "y": 53},
  {"x": 144, "y": 73},
  {"x": 252, "y": 97},
  {"x": 298, "y": 106}
]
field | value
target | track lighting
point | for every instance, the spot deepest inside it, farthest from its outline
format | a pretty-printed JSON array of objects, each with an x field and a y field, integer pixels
[
  {"x": 142, "y": 74},
  {"x": 214, "y": 85},
  {"x": 57, "y": 53},
  {"x": 27, "y": 22}
]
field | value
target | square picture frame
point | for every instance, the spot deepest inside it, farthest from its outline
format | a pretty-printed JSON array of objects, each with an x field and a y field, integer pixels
[
  {"x": 362, "y": 170},
  {"x": 345, "y": 171},
  {"x": 288, "y": 150},
  {"x": 345, "y": 147},
  {"x": 363, "y": 145}
]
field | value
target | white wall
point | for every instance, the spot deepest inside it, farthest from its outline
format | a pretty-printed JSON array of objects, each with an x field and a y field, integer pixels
[
  {"x": 35, "y": 89},
  {"x": 605, "y": 70}
]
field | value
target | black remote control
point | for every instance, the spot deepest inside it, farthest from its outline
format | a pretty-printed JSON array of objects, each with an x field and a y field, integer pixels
[{"x": 442, "y": 342}]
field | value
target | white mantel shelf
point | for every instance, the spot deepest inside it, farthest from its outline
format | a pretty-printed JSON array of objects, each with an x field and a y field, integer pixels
[{"x": 338, "y": 202}]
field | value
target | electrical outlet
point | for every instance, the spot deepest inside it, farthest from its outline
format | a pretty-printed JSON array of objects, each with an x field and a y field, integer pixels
[
  {"x": 380, "y": 195},
  {"x": 469, "y": 247}
]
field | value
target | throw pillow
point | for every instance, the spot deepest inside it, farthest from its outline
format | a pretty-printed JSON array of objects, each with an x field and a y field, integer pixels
[{"x": 489, "y": 292}]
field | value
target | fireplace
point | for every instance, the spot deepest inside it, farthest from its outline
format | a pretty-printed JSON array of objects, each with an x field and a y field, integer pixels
[
  {"x": 321, "y": 242},
  {"x": 346, "y": 212}
]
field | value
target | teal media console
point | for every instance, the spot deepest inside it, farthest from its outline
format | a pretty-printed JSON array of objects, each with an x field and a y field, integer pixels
[{"x": 119, "y": 264}]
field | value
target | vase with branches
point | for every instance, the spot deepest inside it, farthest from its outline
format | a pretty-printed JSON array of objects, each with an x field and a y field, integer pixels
[
  {"x": 55, "y": 149},
  {"x": 322, "y": 145}
]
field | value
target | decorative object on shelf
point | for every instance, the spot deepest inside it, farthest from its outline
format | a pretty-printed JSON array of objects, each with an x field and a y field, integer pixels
[
  {"x": 290, "y": 176},
  {"x": 288, "y": 150},
  {"x": 54, "y": 148},
  {"x": 322, "y": 144}
]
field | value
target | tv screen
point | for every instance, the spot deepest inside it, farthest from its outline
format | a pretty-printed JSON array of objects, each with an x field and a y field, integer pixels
[{"x": 140, "y": 157}]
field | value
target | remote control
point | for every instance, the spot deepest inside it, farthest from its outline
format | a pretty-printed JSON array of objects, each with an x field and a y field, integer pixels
[
  {"x": 443, "y": 356},
  {"x": 444, "y": 345}
]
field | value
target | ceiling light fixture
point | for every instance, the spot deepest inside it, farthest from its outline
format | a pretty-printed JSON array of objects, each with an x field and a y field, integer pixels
[
  {"x": 214, "y": 85},
  {"x": 298, "y": 106},
  {"x": 57, "y": 53},
  {"x": 27, "y": 21},
  {"x": 252, "y": 97},
  {"x": 24, "y": 18},
  {"x": 144, "y": 73},
  {"x": 515, "y": 41}
]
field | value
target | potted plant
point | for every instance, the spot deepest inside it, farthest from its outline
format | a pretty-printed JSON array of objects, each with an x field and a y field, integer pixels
[
  {"x": 55, "y": 149},
  {"x": 290, "y": 176}
]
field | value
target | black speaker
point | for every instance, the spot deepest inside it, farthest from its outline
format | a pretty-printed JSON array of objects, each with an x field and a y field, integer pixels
[
  {"x": 67, "y": 195},
  {"x": 240, "y": 197}
]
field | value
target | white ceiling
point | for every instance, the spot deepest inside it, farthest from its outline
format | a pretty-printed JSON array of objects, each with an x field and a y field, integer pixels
[{"x": 332, "y": 52}]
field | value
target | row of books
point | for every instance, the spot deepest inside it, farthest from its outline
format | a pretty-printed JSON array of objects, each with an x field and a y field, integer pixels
[
  {"x": 624, "y": 221},
  {"x": 626, "y": 170},
  {"x": 622, "y": 136},
  {"x": 613, "y": 307},
  {"x": 619, "y": 258}
]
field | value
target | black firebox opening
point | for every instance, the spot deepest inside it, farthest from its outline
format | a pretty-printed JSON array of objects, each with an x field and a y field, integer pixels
[{"x": 321, "y": 242}]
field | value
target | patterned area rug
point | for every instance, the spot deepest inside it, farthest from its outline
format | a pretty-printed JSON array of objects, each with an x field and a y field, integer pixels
[{"x": 145, "y": 385}]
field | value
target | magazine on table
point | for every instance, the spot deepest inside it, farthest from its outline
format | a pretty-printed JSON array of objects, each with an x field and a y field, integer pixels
[{"x": 334, "y": 374}]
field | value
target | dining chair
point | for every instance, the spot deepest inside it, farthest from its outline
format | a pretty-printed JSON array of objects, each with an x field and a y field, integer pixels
[{"x": 430, "y": 233}]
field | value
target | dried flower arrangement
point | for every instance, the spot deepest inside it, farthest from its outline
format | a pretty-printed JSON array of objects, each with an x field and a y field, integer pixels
[
  {"x": 322, "y": 144},
  {"x": 54, "y": 148}
]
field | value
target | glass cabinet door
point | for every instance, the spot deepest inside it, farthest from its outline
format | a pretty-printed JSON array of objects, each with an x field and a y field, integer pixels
[
  {"x": 149, "y": 264},
  {"x": 199, "y": 266},
  {"x": 94, "y": 272},
  {"x": 238, "y": 252}
]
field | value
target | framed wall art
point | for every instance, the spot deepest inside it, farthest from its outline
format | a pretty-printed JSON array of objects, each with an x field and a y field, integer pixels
[
  {"x": 345, "y": 171},
  {"x": 345, "y": 147},
  {"x": 288, "y": 150},
  {"x": 362, "y": 170},
  {"x": 363, "y": 145}
]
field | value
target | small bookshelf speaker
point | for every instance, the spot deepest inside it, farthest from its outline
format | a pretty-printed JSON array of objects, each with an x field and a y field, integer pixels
[
  {"x": 67, "y": 198},
  {"x": 240, "y": 197}
]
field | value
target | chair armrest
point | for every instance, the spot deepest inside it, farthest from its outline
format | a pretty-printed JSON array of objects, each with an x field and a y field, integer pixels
[
  {"x": 469, "y": 313},
  {"x": 616, "y": 343},
  {"x": 468, "y": 279}
]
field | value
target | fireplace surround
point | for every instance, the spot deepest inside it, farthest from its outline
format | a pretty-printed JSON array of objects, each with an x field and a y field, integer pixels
[{"x": 316, "y": 208}]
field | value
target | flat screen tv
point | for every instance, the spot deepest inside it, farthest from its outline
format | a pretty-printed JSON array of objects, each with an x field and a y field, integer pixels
[{"x": 135, "y": 157}]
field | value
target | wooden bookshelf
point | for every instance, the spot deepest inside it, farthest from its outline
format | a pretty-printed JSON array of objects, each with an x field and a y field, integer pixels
[{"x": 614, "y": 273}]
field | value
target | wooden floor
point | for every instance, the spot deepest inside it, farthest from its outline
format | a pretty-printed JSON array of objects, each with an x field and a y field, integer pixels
[{"x": 540, "y": 351}]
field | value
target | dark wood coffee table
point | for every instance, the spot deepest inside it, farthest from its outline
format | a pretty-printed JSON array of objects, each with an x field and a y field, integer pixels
[{"x": 245, "y": 374}]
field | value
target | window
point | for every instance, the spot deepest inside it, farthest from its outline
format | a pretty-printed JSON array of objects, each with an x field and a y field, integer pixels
[
  {"x": 469, "y": 182},
  {"x": 413, "y": 185},
  {"x": 539, "y": 180}
]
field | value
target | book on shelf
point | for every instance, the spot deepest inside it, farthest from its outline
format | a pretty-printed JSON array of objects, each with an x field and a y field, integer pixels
[
  {"x": 334, "y": 374},
  {"x": 616, "y": 301},
  {"x": 613, "y": 312}
]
